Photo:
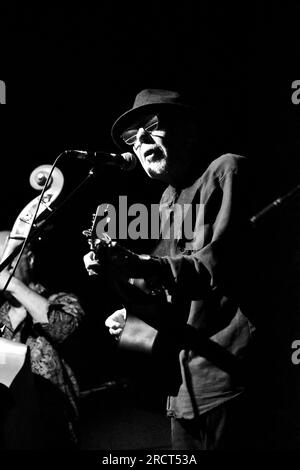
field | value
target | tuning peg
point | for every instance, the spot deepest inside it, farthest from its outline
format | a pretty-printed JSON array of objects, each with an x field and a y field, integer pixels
[{"x": 87, "y": 233}]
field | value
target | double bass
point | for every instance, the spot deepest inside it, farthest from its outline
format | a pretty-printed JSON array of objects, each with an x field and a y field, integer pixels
[{"x": 20, "y": 417}]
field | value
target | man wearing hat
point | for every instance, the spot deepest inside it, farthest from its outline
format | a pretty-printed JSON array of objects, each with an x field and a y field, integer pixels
[{"x": 204, "y": 275}]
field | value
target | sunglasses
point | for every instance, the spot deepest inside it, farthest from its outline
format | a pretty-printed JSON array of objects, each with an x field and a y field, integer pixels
[{"x": 150, "y": 125}]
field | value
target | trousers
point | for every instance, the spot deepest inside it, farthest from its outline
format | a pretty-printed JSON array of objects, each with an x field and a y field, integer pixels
[{"x": 233, "y": 425}]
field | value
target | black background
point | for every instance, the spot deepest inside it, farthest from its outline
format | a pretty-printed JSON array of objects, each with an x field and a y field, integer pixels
[{"x": 70, "y": 72}]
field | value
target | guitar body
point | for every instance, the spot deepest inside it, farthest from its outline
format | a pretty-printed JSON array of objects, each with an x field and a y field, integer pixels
[
  {"x": 138, "y": 336},
  {"x": 155, "y": 328},
  {"x": 141, "y": 330},
  {"x": 147, "y": 329}
]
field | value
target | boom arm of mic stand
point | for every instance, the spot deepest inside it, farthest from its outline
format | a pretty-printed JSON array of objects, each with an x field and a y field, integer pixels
[
  {"x": 274, "y": 204},
  {"x": 38, "y": 229}
]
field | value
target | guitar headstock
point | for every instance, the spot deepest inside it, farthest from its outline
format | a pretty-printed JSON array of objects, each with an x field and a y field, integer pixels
[{"x": 95, "y": 242}]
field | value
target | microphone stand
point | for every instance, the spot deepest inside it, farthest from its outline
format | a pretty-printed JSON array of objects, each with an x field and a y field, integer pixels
[
  {"x": 277, "y": 202},
  {"x": 38, "y": 228}
]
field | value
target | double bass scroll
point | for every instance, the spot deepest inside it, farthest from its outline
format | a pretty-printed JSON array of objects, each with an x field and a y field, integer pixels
[{"x": 23, "y": 222}]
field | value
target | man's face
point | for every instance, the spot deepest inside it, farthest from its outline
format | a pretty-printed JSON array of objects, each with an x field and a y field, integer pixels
[{"x": 160, "y": 143}]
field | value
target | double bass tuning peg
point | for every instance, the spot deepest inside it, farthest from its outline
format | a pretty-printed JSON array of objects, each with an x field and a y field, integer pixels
[{"x": 41, "y": 178}]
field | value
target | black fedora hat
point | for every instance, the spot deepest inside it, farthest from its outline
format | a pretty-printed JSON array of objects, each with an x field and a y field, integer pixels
[{"x": 147, "y": 101}]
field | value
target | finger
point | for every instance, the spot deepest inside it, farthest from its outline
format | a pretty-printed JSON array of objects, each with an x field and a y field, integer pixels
[
  {"x": 112, "y": 323},
  {"x": 94, "y": 266},
  {"x": 89, "y": 264},
  {"x": 115, "y": 332},
  {"x": 108, "y": 322},
  {"x": 89, "y": 258},
  {"x": 91, "y": 272},
  {"x": 119, "y": 315},
  {"x": 121, "y": 312},
  {"x": 90, "y": 255},
  {"x": 116, "y": 326}
]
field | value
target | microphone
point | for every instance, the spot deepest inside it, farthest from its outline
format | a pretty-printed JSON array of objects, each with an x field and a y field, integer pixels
[{"x": 125, "y": 161}]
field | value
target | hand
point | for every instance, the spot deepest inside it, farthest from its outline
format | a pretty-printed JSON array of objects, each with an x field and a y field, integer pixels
[
  {"x": 116, "y": 322},
  {"x": 121, "y": 262},
  {"x": 91, "y": 264}
]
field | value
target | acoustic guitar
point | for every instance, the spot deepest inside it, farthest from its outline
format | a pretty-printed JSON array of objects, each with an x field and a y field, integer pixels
[
  {"x": 143, "y": 304},
  {"x": 150, "y": 326}
]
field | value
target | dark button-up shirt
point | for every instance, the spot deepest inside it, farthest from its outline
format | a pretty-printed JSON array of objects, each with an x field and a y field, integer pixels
[{"x": 207, "y": 273}]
